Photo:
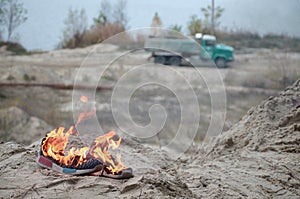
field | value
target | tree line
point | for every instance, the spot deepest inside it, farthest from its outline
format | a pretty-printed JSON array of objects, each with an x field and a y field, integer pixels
[
  {"x": 112, "y": 19},
  {"x": 195, "y": 23}
]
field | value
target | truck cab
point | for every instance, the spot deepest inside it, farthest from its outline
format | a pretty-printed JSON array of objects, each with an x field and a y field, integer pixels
[{"x": 221, "y": 54}]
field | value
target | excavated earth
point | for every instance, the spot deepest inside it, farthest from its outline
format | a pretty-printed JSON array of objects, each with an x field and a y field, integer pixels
[{"x": 259, "y": 157}]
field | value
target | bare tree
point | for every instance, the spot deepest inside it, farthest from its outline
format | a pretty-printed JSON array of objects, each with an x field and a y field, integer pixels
[
  {"x": 211, "y": 18},
  {"x": 75, "y": 27},
  {"x": 112, "y": 14},
  {"x": 119, "y": 13},
  {"x": 194, "y": 25},
  {"x": 105, "y": 9},
  {"x": 13, "y": 14},
  {"x": 2, "y": 6},
  {"x": 105, "y": 14}
]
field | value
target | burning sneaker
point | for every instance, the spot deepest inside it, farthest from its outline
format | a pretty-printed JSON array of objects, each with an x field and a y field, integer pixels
[{"x": 86, "y": 160}]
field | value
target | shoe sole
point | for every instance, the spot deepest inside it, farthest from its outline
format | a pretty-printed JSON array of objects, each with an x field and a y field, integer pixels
[{"x": 47, "y": 163}]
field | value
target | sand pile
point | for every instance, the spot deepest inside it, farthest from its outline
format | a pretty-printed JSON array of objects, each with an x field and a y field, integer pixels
[{"x": 259, "y": 156}]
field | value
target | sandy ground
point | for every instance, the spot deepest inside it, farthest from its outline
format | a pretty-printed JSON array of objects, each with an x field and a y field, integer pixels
[{"x": 257, "y": 157}]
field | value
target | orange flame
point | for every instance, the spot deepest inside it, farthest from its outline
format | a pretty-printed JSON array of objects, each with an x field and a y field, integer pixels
[
  {"x": 84, "y": 98},
  {"x": 100, "y": 149},
  {"x": 55, "y": 143},
  {"x": 85, "y": 115}
]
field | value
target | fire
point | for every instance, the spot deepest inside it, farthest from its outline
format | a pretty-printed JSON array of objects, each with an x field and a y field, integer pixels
[
  {"x": 84, "y": 98},
  {"x": 55, "y": 143},
  {"x": 100, "y": 149},
  {"x": 85, "y": 115}
]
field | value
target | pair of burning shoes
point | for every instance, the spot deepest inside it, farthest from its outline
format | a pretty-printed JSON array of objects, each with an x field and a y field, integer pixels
[{"x": 92, "y": 166}]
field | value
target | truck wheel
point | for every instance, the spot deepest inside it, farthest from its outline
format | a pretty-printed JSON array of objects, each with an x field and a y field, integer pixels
[
  {"x": 175, "y": 61},
  {"x": 160, "y": 60},
  {"x": 221, "y": 62}
]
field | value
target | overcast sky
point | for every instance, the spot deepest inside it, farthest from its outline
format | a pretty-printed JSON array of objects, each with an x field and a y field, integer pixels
[{"x": 44, "y": 26}]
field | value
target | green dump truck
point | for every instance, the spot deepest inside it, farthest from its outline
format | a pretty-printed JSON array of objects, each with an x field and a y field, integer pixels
[{"x": 174, "y": 51}]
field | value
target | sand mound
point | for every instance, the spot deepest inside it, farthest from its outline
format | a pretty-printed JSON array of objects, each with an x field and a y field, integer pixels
[{"x": 258, "y": 157}]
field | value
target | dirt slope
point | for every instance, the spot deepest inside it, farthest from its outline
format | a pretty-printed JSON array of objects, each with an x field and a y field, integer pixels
[{"x": 258, "y": 157}]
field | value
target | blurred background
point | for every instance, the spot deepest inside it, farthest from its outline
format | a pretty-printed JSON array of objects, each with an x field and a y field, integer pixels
[{"x": 43, "y": 44}]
